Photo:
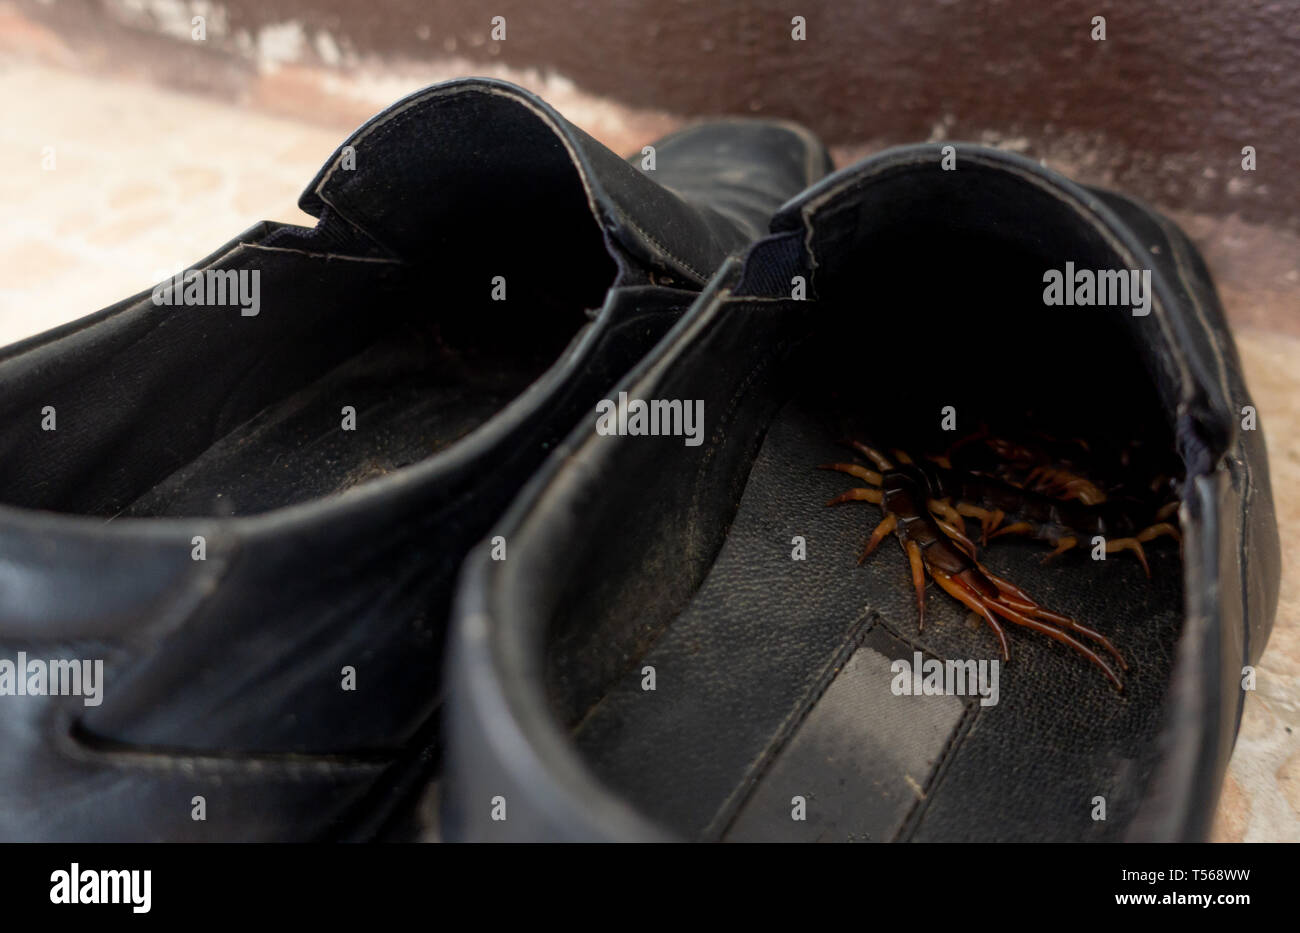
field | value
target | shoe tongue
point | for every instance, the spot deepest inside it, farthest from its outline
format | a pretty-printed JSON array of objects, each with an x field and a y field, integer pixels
[{"x": 477, "y": 157}]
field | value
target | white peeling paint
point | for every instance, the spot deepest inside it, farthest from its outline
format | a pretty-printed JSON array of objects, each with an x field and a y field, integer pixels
[
  {"x": 171, "y": 17},
  {"x": 279, "y": 43},
  {"x": 328, "y": 49}
]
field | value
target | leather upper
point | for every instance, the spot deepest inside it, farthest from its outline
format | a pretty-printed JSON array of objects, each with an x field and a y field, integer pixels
[
  {"x": 507, "y": 723},
  {"x": 222, "y": 674}
]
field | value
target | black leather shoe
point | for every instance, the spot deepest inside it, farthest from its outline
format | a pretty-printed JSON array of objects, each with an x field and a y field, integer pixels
[
  {"x": 241, "y": 497},
  {"x": 682, "y": 643}
]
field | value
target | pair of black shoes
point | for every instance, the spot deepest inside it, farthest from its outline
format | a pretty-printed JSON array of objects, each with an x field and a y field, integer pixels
[{"x": 235, "y": 508}]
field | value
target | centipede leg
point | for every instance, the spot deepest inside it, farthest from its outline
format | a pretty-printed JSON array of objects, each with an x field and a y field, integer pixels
[
  {"x": 1015, "y": 528},
  {"x": 949, "y": 514},
  {"x": 1080, "y": 489},
  {"x": 875, "y": 456},
  {"x": 989, "y": 518},
  {"x": 959, "y": 537},
  {"x": 884, "y": 528},
  {"x": 918, "y": 580},
  {"x": 854, "y": 469},
  {"x": 972, "y": 601},
  {"x": 1162, "y": 528},
  {"x": 971, "y": 438},
  {"x": 1060, "y": 635},
  {"x": 1018, "y": 599},
  {"x": 982, "y": 604},
  {"x": 861, "y": 494},
  {"x": 1061, "y": 545},
  {"x": 1007, "y": 588},
  {"x": 1130, "y": 544},
  {"x": 1064, "y": 484}
]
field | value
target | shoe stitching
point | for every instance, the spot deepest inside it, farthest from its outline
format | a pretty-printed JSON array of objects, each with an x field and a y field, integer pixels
[
  {"x": 699, "y": 277},
  {"x": 382, "y": 130}
]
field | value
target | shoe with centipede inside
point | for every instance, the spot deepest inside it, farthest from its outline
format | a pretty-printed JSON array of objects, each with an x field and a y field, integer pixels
[{"x": 686, "y": 642}]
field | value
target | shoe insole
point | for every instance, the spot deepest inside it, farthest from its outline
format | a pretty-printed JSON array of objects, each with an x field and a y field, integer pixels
[
  {"x": 774, "y": 713},
  {"x": 406, "y": 397}
]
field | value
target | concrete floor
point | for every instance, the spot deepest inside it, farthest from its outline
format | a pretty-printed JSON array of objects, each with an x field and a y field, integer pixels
[{"x": 143, "y": 181}]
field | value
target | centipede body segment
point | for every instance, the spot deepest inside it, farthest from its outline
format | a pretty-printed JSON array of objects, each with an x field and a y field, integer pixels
[{"x": 924, "y": 504}]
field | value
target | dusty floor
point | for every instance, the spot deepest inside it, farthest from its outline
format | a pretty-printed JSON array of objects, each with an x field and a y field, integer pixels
[{"x": 107, "y": 186}]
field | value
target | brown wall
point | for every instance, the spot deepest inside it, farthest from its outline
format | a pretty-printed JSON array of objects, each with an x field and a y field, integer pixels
[{"x": 1161, "y": 109}]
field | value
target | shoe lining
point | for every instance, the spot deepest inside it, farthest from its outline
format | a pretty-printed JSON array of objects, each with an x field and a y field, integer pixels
[{"x": 739, "y": 634}]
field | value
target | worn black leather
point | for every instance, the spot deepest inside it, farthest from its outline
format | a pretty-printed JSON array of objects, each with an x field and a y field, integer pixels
[
  {"x": 327, "y": 549},
  {"x": 632, "y": 553}
]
